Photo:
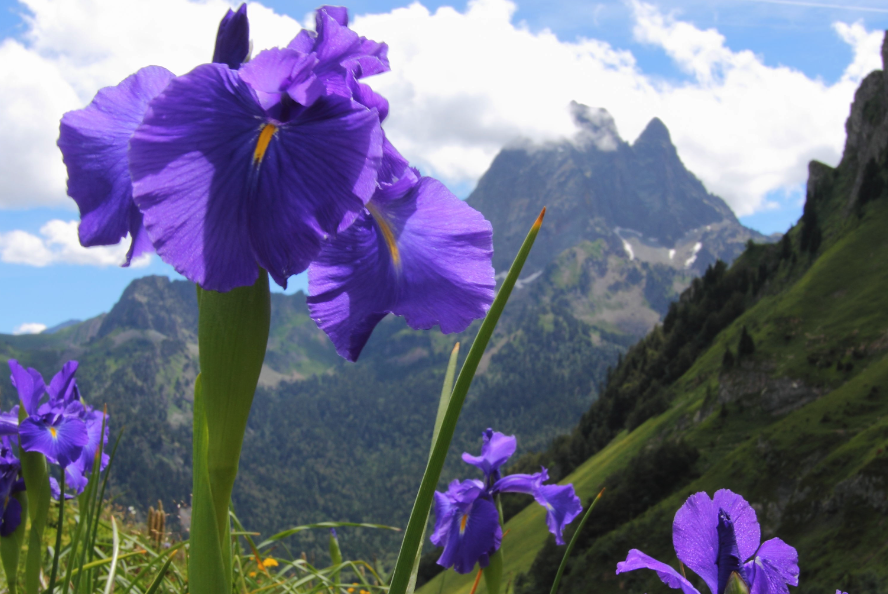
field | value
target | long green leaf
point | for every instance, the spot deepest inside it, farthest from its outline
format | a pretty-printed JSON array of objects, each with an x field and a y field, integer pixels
[
  {"x": 443, "y": 403},
  {"x": 571, "y": 544},
  {"x": 423, "y": 503},
  {"x": 36, "y": 478},
  {"x": 159, "y": 579}
]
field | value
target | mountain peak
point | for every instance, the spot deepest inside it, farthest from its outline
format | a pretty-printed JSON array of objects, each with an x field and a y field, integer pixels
[
  {"x": 595, "y": 126},
  {"x": 655, "y": 132}
]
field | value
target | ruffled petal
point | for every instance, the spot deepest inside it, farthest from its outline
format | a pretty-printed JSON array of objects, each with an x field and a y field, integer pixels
[
  {"x": 669, "y": 576},
  {"x": 55, "y": 490},
  {"x": 62, "y": 387},
  {"x": 562, "y": 506},
  {"x": 29, "y": 384},
  {"x": 774, "y": 568},
  {"x": 233, "y": 38},
  {"x": 277, "y": 71},
  {"x": 94, "y": 143},
  {"x": 521, "y": 483}
]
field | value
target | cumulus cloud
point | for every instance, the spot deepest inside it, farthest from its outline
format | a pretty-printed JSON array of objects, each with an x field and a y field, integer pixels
[
  {"x": 463, "y": 85},
  {"x": 29, "y": 328},
  {"x": 58, "y": 244}
]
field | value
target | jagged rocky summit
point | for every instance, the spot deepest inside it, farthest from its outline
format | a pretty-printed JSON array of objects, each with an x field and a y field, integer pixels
[{"x": 639, "y": 198}]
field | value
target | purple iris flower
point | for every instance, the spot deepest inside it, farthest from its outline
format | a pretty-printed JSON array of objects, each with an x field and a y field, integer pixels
[
  {"x": 95, "y": 140},
  {"x": 227, "y": 178},
  {"x": 466, "y": 525},
  {"x": 54, "y": 428},
  {"x": 10, "y": 483},
  {"x": 466, "y": 518},
  {"x": 416, "y": 250},
  {"x": 713, "y": 537}
]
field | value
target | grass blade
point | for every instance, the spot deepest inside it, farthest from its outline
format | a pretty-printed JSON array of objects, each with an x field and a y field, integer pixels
[
  {"x": 421, "y": 507},
  {"x": 159, "y": 579},
  {"x": 115, "y": 552},
  {"x": 281, "y": 535},
  {"x": 571, "y": 544}
]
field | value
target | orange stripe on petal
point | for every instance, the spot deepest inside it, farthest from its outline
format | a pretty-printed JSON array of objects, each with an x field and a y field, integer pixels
[
  {"x": 262, "y": 144},
  {"x": 387, "y": 234}
]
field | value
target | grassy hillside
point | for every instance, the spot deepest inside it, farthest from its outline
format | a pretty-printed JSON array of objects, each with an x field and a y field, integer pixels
[{"x": 797, "y": 423}]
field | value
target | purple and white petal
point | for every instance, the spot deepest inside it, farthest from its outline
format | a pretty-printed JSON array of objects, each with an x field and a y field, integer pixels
[
  {"x": 562, "y": 506},
  {"x": 774, "y": 568},
  {"x": 521, "y": 483},
  {"x": 668, "y": 575},
  {"x": 94, "y": 143}
]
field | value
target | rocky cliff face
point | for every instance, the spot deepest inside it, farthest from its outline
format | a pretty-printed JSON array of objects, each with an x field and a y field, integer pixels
[{"x": 639, "y": 198}]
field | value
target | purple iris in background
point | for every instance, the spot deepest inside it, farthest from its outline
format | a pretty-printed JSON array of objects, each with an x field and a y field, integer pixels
[
  {"x": 54, "y": 428},
  {"x": 10, "y": 483},
  {"x": 467, "y": 523},
  {"x": 416, "y": 250},
  {"x": 95, "y": 140},
  {"x": 713, "y": 537}
]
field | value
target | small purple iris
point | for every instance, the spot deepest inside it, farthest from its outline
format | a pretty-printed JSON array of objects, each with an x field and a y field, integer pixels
[
  {"x": 467, "y": 522},
  {"x": 713, "y": 537}
]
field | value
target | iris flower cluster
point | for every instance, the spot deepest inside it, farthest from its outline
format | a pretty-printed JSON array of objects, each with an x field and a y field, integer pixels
[
  {"x": 467, "y": 523},
  {"x": 280, "y": 162},
  {"x": 62, "y": 427},
  {"x": 718, "y": 538}
]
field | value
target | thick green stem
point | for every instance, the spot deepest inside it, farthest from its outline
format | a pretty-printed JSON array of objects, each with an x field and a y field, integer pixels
[
  {"x": 58, "y": 545},
  {"x": 11, "y": 546},
  {"x": 232, "y": 335}
]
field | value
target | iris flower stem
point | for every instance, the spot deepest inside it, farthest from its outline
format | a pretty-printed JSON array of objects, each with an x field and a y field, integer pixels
[
  {"x": 58, "y": 546},
  {"x": 232, "y": 336},
  {"x": 571, "y": 544},
  {"x": 36, "y": 478}
]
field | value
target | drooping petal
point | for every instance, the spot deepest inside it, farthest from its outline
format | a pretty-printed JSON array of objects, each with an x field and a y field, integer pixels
[
  {"x": 232, "y": 188},
  {"x": 9, "y": 422},
  {"x": 86, "y": 461},
  {"x": 29, "y": 384},
  {"x": 55, "y": 489},
  {"x": 521, "y": 483},
  {"x": 457, "y": 498},
  {"x": 496, "y": 448},
  {"x": 669, "y": 576},
  {"x": 12, "y": 517},
  {"x": 745, "y": 523},
  {"x": 474, "y": 535},
  {"x": 58, "y": 437},
  {"x": 233, "y": 38},
  {"x": 418, "y": 251},
  {"x": 94, "y": 143},
  {"x": 774, "y": 568},
  {"x": 562, "y": 506}
]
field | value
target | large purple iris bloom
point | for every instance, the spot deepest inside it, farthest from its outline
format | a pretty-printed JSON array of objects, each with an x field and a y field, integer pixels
[
  {"x": 94, "y": 142},
  {"x": 713, "y": 537},
  {"x": 466, "y": 518},
  {"x": 416, "y": 250}
]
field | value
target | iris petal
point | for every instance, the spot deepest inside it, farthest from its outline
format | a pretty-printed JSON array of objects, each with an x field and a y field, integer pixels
[
  {"x": 496, "y": 448},
  {"x": 774, "y": 568},
  {"x": 94, "y": 143},
  {"x": 669, "y": 576},
  {"x": 233, "y": 38},
  {"x": 29, "y": 384},
  {"x": 562, "y": 506},
  {"x": 445, "y": 276}
]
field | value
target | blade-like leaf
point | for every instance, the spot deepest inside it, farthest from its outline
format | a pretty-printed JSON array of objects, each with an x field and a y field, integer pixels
[
  {"x": 115, "y": 552},
  {"x": 423, "y": 503},
  {"x": 281, "y": 535}
]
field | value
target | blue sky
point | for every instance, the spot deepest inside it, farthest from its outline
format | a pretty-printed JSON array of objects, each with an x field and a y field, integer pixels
[{"x": 680, "y": 58}]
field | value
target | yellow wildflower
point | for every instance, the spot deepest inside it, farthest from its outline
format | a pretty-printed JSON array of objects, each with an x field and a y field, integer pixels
[{"x": 270, "y": 562}]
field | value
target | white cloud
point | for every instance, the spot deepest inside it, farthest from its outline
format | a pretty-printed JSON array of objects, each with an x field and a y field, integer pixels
[
  {"x": 29, "y": 328},
  {"x": 58, "y": 244},
  {"x": 463, "y": 84}
]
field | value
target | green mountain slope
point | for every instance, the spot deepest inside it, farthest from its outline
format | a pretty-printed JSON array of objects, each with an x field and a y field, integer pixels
[{"x": 797, "y": 423}]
